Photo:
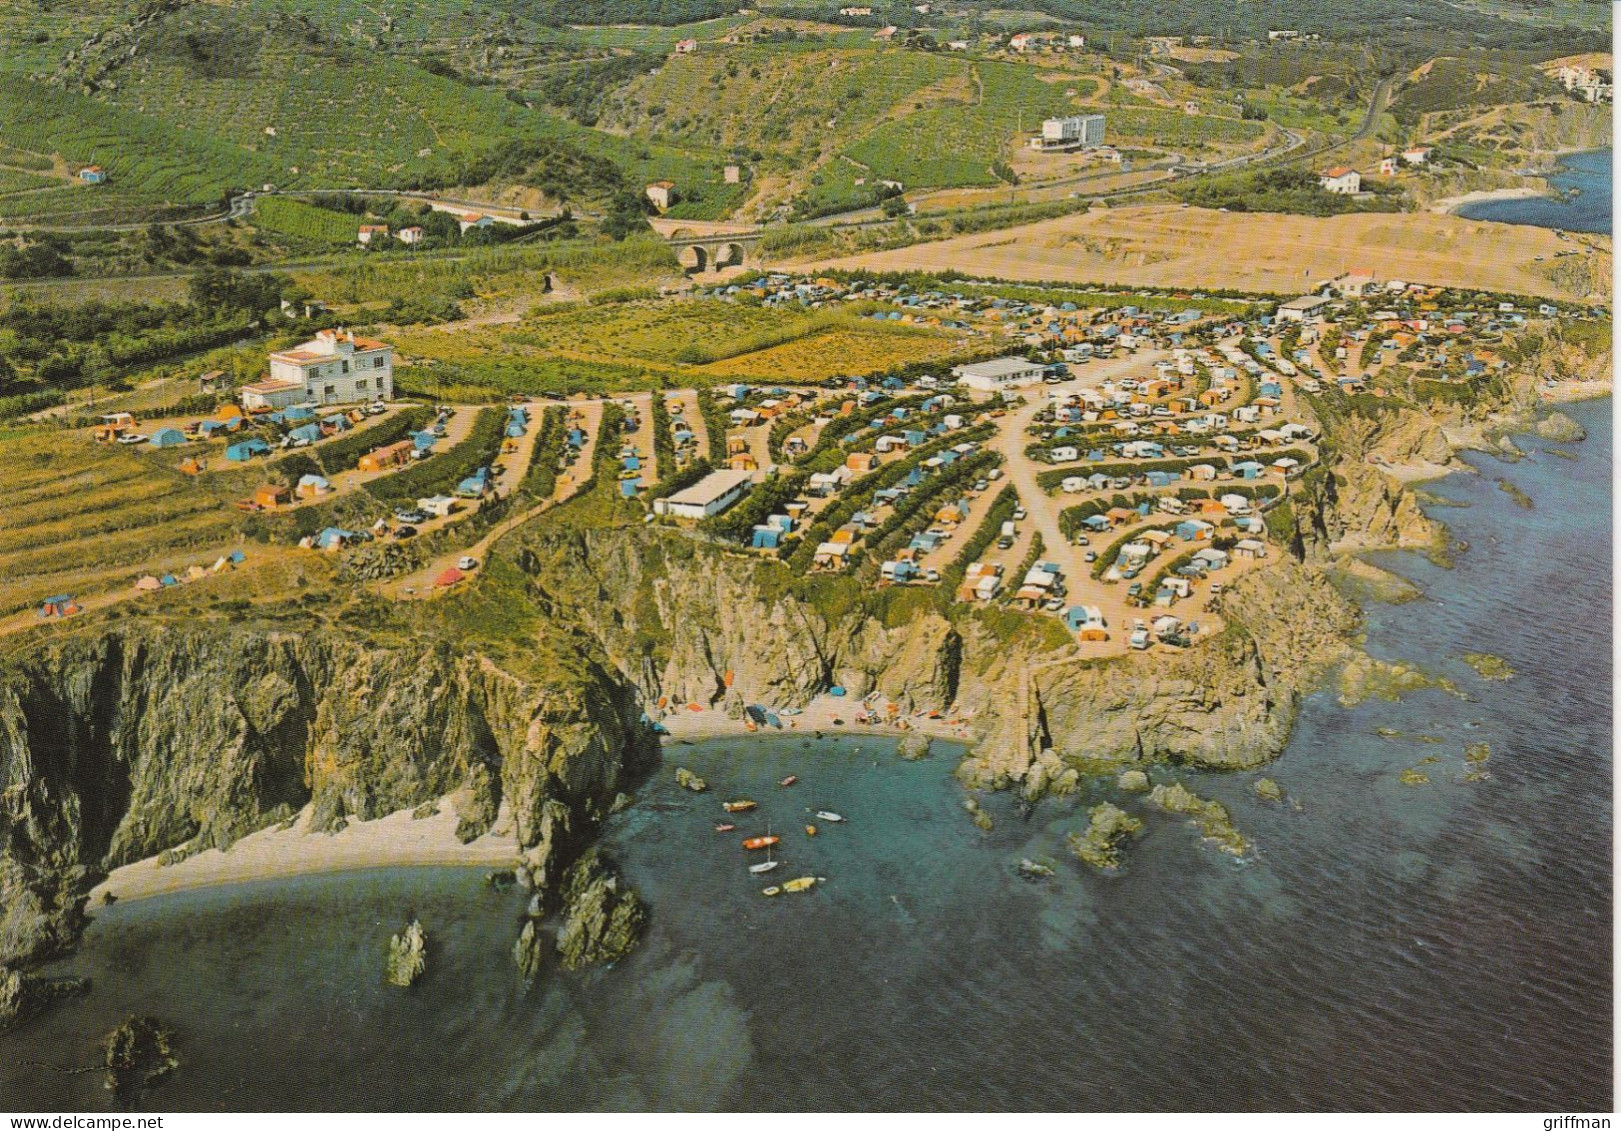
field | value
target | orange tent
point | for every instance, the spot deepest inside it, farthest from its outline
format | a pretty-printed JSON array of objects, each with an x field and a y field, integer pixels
[{"x": 449, "y": 577}]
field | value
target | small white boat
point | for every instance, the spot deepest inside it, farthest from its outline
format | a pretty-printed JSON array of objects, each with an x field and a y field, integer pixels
[
  {"x": 764, "y": 866},
  {"x": 829, "y": 815}
]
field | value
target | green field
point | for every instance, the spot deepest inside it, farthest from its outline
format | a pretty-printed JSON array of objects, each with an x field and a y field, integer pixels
[{"x": 305, "y": 221}]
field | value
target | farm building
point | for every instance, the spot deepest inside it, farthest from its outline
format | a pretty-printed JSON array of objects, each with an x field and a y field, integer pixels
[
  {"x": 662, "y": 194},
  {"x": 710, "y": 495}
]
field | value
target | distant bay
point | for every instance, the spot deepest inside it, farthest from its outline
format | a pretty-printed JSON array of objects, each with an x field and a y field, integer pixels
[{"x": 1589, "y": 210}]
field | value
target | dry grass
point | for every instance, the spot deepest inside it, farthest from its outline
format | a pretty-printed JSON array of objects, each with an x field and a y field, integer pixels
[
  {"x": 835, "y": 352},
  {"x": 1167, "y": 245}
]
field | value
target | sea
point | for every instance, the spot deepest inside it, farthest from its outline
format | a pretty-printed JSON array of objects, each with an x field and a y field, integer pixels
[
  {"x": 1584, "y": 204},
  {"x": 1441, "y": 946}
]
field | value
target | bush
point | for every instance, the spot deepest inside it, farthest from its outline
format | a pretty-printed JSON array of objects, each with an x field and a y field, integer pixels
[{"x": 440, "y": 473}]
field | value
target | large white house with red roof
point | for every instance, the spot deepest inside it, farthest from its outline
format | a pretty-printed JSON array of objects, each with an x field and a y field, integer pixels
[
  {"x": 334, "y": 367},
  {"x": 1341, "y": 180}
]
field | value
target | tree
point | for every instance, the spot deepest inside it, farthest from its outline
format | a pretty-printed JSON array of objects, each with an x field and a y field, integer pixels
[{"x": 626, "y": 215}]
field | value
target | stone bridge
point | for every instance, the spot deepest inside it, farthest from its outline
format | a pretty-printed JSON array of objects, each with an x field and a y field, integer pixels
[{"x": 700, "y": 251}]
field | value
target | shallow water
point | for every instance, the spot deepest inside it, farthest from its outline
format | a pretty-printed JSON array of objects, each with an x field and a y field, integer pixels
[
  {"x": 1588, "y": 211},
  {"x": 1387, "y": 947}
]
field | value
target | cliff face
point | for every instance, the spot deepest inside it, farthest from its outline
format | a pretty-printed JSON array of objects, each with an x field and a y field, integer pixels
[{"x": 120, "y": 745}]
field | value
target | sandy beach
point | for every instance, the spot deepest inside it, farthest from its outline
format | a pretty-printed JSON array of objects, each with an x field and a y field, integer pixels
[
  {"x": 397, "y": 840},
  {"x": 686, "y": 724},
  {"x": 1450, "y": 204}
]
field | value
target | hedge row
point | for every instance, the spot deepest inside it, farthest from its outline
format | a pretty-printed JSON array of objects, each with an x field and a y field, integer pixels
[
  {"x": 439, "y": 474},
  {"x": 342, "y": 453},
  {"x": 716, "y": 422},
  {"x": 540, "y": 478},
  {"x": 1002, "y": 508},
  {"x": 898, "y": 526}
]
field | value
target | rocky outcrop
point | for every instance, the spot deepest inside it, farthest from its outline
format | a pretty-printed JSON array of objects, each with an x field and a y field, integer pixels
[
  {"x": 407, "y": 955},
  {"x": 119, "y": 745},
  {"x": 602, "y": 917},
  {"x": 1560, "y": 428}
]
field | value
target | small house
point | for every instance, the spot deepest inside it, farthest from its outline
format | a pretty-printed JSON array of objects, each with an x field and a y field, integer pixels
[
  {"x": 93, "y": 175},
  {"x": 1250, "y": 549},
  {"x": 368, "y": 232},
  {"x": 410, "y": 236},
  {"x": 662, "y": 194}
]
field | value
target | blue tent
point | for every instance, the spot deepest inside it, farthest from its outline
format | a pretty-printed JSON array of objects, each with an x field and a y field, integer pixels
[
  {"x": 423, "y": 440},
  {"x": 576, "y": 438},
  {"x": 246, "y": 450},
  {"x": 632, "y": 463},
  {"x": 306, "y": 432},
  {"x": 782, "y": 522},
  {"x": 236, "y": 557},
  {"x": 333, "y": 536},
  {"x": 337, "y": 422},
  {"x": 766, "y": 538},
  {"x": 167, "y": 438},
  {"x": 298, "y": 412},
  {"x": 836, "y": 692},
  {"x": 514, "y": 430}
]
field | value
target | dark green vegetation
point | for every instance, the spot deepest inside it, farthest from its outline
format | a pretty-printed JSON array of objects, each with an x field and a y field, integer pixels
[
  {"x": 440, "y": 473},
  {"x": 1281, "y": 190}
]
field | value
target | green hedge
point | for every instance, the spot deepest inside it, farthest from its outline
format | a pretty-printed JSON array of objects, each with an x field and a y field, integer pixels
[
  {"x": 1002, "y": 508},
  {"x": 716, "y": 422},
  {"x": 440, "y": 473},
  {"x": 540, "y": 478},
  {"x": 898, "y": 527},
  {"x": 342, "y": 453}
]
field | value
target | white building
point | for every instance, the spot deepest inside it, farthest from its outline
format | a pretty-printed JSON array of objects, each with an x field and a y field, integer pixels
[
  {"x": 1339, "y": 179},
  {"x": 412, "y": 235},
  {"x": 334, "y": 367},
  {"x": 1077, "y": 131},
  {"x": 662, "y": 194},
  {"x": 999, "y": 373},
  {"x": 1307, "y": 308},
  {"x": 710, "y": 495}
]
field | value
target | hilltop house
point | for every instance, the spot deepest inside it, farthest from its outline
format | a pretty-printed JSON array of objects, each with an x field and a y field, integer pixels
[
  {"x": 334, "y": 367},
  {"x": 1341, "y": 180},
  {"x": 1418, "y": 155}
]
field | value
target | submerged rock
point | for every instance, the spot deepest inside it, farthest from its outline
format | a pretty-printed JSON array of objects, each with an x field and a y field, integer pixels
[
  {"x": 23, "y": 996},
  {"x": 1521, "y": 499},
  {"x": 602, "y": 917},
  {"x": 1211, "y": 818},
  {"x": 1414, "y": 776},
  {"x": 913, "y": 746},
  {"x": 1488, "y": 666},
  {"x": 407, "y": 955},
  {"x": 1268, "y": 790},
  {"x": 1035, "y": 869},
  {"x": 1363, "y": 678},
  {"x": 1099, "y": 845},
  {"x": 138, "y": 1053},
  {"x": 686, "y": 779}
]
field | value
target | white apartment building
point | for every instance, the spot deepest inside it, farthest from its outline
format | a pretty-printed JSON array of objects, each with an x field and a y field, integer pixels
[{"x": 334, "y": 367}]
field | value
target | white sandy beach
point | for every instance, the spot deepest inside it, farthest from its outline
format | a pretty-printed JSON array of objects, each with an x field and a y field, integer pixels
[
  {"x": 1453, "y": 203},
  {"x": 683, "y": 723},
  {"x": 396, "y": 840}
]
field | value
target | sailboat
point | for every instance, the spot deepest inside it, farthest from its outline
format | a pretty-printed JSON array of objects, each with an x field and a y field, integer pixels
[{"x": 767, "y": 864}]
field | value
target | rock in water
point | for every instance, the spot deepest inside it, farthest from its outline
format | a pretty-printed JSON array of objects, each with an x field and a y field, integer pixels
[
  {"x": 913, "y": 746},
  {"x": 602, "y": 917},
  {"x": 686, "y": 779},
  {"x": 529, "y": 951},
  {"x": 407, "y": 955},
  {"x": 1268, "y": 790},
  {"x": 22, "y": 995},
  {"x": 138, "y": 1053},
  {"x": 1132, "y": 781},
  {"x": 1561, "y": 429},
  {"x": 1099, "y": 845},
  {"x": 1211, "y": 818}
]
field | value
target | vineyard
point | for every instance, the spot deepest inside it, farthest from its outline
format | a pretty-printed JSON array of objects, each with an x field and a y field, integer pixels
[
  {"x": 304, "y": 221},
  {"x": 859, "y": 349}
]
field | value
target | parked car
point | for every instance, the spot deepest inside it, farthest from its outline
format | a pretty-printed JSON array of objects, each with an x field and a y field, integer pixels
[
  {"x": 132, "y": 438},
  {"x": 1018, "y": 514},
  {"x": 1004, "y": 543},
  {"x": 1091, "y": 556},
  {"x": 410, "y": 516},
  {"x": 1134, "y": 589},
  {"x": 467, "y": 563},
  {"x": 405, "y": 532}
]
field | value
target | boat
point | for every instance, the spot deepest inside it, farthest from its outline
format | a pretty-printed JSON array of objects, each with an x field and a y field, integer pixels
[
  {"x": 810, "y": 830},
  {"x": 772, "y": 890},
  {"x": 801, "y": 884},
  {"x": 742, "y": 805},
  {"x": 791, "y": 711},
  {"x": 724, "y": 828},
  {"x": 755, "y": 842},
  {"x": 829, "y": 815},
  {"x": 789, "y": 780},
  {"x": 765, "y": 865}
]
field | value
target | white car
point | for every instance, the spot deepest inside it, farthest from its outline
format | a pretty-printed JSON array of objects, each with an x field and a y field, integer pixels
[
  {"x": 467, "y": 563},
  {"x": 132, "y": 438}
]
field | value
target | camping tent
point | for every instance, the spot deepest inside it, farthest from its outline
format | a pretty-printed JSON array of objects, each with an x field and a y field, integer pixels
[
  {"x": 167, "y": 438},
  {"x": 450, "y": 577}
]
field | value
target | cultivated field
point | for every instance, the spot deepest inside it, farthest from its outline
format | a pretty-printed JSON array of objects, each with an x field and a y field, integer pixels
[{"x": 1168, "y": 245}]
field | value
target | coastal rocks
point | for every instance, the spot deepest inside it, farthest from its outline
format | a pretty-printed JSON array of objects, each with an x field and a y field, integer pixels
[
  {"x": 1521, "y": 499},
  {"x": 1363, "y": 678},
  {"x": 1560, "y": 428},
  {"x": 982, "y": 820},
  {"x": 529, "y": 952},
  {"x": 1488, "y": 666},
  {"x": 1211, "y": 818},
  {"x": 602, "y": 918},
  {"x": 1365, "y": 581},
  {"x": 1507, "y": 449},
  {"x": 1475, "y": 757},
  {"x": 1413, "y": 776},
  {"x": 23, "y": 996},
  {"x": 913, "y": 746},
  {"x": 1099, "y": 845},
  {"x": 1048, "y": 775},
  {"x": 137, "y": 1054},
  {"x": 1268, "y": 790},
  {"x": 1132, "y": 781},
  {"x": 407, "y": 955},
  {"x": 1036, "y": 869},
  {"x": 686, "y": 779}
]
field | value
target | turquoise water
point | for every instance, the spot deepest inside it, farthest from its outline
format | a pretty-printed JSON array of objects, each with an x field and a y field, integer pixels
[
  {"x": 1588, "y": 211},
  {"x": 1387, "y": 947}
]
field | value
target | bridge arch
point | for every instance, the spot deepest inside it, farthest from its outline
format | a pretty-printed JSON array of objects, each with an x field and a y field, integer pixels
[{"x": 694, "y": 257}]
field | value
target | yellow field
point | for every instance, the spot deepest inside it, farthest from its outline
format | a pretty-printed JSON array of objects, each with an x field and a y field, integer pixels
[
  {"x": 836, "y": 352},
  {"x": 1169, "y": 245}
]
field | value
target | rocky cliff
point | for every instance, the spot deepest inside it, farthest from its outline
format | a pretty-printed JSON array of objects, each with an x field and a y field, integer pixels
[{"x": 116, "y": 745}]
